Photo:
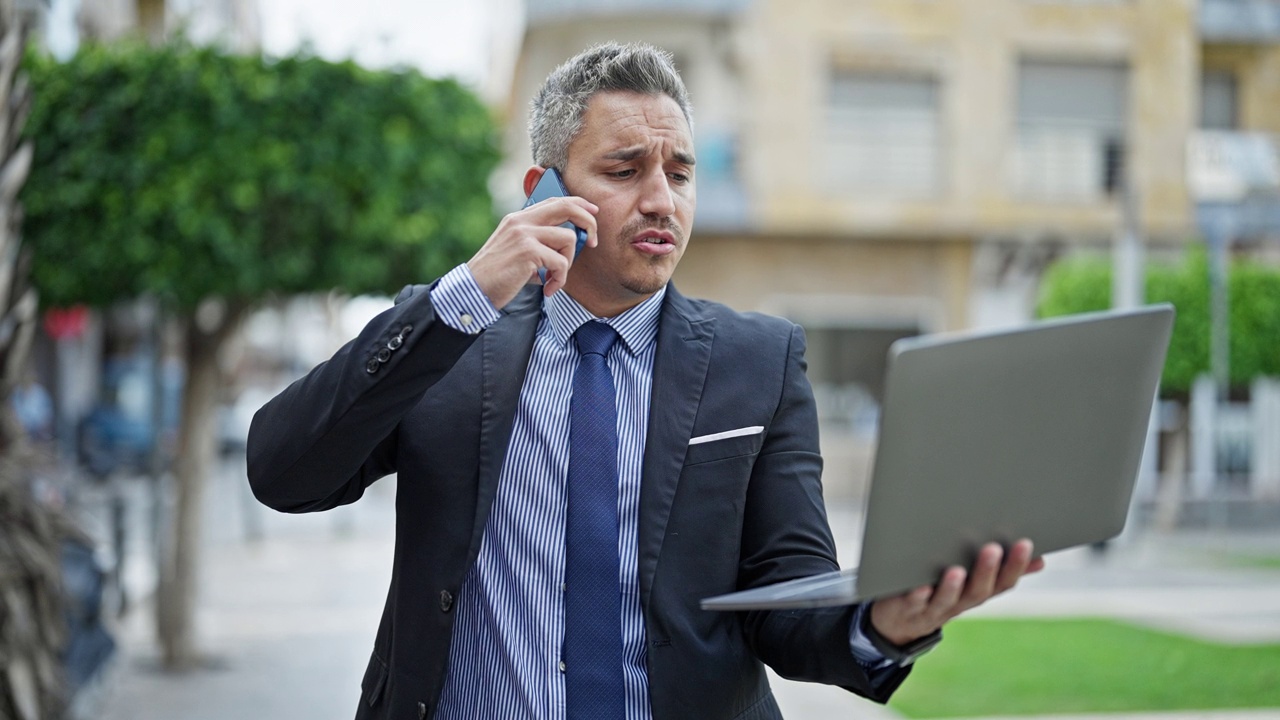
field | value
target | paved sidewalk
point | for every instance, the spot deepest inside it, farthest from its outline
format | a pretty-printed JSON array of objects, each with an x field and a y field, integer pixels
[{"x": 289, "y": 620}]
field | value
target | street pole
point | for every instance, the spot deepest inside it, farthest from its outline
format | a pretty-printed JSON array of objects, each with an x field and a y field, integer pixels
[
  {"x": 1219, "y": 338},
  {"x": 1219, "y": 308},
  {"x": 1128, "y": 254}
]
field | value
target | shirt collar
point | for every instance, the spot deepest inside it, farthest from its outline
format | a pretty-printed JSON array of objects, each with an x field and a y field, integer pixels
[{"x": 638, "y": 327}]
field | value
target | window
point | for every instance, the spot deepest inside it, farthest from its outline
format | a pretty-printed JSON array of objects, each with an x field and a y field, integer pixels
[
  {"x": 882, "y": 134},
  {"x": 1218, "y": 101},
  {"x": 1070, "y": 129}
]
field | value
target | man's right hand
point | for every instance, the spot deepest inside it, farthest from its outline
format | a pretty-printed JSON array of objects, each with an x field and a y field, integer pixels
[{"x": 530, "y": 239}]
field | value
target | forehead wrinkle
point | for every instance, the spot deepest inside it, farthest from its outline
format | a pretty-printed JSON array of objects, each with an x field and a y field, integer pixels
[
  {"x": 640, "y": 139},
  {"x": 646, "y": 125},
  {"x": 631, "y": 153},
  {"x": 630, "y": 130}
]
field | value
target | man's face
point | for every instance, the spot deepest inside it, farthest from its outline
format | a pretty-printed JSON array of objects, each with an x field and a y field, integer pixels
[{"x": 633, "y": 158}]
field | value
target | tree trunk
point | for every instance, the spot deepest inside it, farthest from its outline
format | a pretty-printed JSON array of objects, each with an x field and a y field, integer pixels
[{"x": 180, "y": 539}]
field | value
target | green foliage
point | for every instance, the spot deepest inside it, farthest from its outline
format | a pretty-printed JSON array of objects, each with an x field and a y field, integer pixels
[
  {"x": 1083, "y": 284},
  {"x": 187, "y": 172},
  {"x": 1035, "y": 667}
]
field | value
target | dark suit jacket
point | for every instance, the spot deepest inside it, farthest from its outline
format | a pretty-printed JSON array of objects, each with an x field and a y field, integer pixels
[{"x": 714, "y": 517}]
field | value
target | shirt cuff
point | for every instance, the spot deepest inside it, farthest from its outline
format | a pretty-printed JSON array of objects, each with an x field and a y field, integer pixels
[
  {"x": 864, "y": 652},
  {"x": 461, "y": 304}
]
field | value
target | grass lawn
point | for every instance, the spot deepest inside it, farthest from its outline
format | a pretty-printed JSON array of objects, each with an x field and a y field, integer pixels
[
  {"x": 1029, "y": 667},
  {"x": 1262, "y": 562}
]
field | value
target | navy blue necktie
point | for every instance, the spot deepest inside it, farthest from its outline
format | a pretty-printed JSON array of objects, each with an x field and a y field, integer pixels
[{"x": 593, "y": 602}]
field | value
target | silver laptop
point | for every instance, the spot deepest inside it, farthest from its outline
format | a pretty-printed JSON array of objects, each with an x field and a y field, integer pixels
[{"x": 1033, "y": 432}]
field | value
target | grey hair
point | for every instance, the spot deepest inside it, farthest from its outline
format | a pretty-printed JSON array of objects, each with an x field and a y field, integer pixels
[{"x": 555, "y": 114}]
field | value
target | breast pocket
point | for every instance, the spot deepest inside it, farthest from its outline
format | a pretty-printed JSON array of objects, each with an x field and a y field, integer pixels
[{"x": 724, "y": 448}]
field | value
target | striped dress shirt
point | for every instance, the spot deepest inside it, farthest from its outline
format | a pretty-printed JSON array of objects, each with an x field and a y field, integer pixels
[{"x": 505, "y": 657}]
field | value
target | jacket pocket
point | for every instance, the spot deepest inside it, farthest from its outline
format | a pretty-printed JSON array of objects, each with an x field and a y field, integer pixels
[
  {"x": 723, "y": 449},
  {"x": 374, "y": 682}
]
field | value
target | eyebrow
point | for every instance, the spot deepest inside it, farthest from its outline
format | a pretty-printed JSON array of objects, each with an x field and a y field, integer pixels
[{"x": 635, "y": 152}]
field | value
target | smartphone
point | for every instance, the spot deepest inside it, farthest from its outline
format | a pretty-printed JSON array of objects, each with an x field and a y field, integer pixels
[{"x": 549, "y": 186}]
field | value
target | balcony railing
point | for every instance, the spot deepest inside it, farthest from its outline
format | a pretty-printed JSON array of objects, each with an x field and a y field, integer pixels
[
  {"x": 1245, "y": 21},
  {"x": 1226, "y": 166},
  {"x": 1234, "y": 178}
]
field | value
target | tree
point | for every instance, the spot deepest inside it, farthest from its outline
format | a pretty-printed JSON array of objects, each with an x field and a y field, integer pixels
[
  {"x": 1083, "y": 284},
  {"x": 210, "y": 181}
]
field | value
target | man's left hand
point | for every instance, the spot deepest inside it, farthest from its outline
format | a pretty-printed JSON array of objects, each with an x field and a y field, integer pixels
[{"x": 917, "y": 613}]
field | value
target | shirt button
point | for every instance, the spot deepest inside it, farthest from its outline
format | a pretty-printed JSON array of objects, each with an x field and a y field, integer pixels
[
  {"x": 561, "y": 666},
  {"x": 466, "y": 319},
  {"x": 372, "y": 366},
  {"x": 446, "y": 600}
]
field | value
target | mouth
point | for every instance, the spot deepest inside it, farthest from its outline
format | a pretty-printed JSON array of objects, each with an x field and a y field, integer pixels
[{"x": 654, "y": 242}]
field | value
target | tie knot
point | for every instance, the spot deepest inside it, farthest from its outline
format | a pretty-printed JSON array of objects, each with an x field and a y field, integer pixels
[{"x": 595, "y": 337}]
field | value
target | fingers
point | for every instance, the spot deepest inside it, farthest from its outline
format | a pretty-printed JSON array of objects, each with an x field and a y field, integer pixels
[
  {"x": 554, "y": 211},
  {"x": 903, "y": 618},
  {"x": 919, "y": 612},
  {"x": 947, "y": 594},
  {"x": 994, "y": 572},
  {"x": 528, "y": 240},
  {"x": 553, "y": 251},
  {"x": 1015, "y": 566},
  {"x": 917, "y": 601},
  {"x": 982, "y": 581}
]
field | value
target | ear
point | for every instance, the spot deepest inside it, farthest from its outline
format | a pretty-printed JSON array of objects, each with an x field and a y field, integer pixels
[{"x": 531, "y": 178}]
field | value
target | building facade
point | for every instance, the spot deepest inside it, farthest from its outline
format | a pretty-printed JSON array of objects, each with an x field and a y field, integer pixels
[{"x": 880, "y": 168}]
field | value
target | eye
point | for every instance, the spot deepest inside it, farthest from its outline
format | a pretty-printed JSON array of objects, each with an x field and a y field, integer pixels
[
  {"x": 621, "y": 174},
  {"x": 680, "y": 178}
]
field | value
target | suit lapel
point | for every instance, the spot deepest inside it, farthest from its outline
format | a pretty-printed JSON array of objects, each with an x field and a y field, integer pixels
[
  {"x": 505, "y": 350},
  {"x": 679, "y": 373}
]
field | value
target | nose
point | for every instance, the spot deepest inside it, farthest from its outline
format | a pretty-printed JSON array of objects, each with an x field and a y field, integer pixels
[{"x": 655, "y": 194}]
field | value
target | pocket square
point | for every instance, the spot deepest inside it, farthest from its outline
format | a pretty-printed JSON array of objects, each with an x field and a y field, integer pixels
[{"x": 752, "y": 430}]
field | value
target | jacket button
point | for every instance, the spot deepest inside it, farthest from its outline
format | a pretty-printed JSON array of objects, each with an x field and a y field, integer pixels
[
  {"x": 395, "y": 343},
  {"x": 372, "y": 366},
  {"x": 422, "y": 710},
  {"x": 383, "y": 355},
  {"x": 446, "y": 601},
  {"x": 406, "y": 329}
]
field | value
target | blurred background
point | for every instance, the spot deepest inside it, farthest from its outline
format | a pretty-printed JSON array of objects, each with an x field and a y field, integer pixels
[{"x": 202, "y": 199}]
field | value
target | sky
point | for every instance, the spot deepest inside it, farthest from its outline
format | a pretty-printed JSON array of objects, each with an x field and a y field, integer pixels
[{"x": 439, "y": 37}]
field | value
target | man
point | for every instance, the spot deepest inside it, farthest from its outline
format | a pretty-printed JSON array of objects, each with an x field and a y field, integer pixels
[{"x": 563, "y": 506}]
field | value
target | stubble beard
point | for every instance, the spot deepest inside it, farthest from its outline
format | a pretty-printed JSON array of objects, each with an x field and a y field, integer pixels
[{"x": 654, "y": 276}]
